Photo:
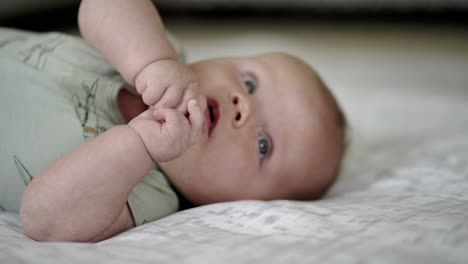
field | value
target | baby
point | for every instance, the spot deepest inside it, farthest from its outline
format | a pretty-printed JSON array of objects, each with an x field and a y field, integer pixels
[{"x": 263, "y": 127}]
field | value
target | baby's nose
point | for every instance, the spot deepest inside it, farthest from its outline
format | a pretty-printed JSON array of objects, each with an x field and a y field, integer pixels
[{"x": 242, "y": 109}]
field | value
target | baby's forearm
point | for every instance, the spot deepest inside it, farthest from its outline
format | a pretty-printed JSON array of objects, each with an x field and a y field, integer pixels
[
  {"x": 129, "y": 33},
  {"x": 83, "y": 193}
]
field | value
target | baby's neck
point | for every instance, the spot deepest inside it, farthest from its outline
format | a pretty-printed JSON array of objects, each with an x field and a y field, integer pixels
[{"x": 130, "y": 105}]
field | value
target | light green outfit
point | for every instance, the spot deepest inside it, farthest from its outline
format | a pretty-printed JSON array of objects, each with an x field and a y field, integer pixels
[{"x": 55, "y": 94}]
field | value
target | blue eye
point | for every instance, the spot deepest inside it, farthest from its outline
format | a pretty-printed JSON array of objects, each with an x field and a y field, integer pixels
[
  {"x": 250, "y": 83},
  {"x": 264, "y": 146}
]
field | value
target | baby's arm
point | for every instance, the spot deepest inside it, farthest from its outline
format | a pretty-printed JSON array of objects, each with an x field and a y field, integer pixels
[
  {"x": 129, "y": 33},
  {"x": 83, "y": 195}
]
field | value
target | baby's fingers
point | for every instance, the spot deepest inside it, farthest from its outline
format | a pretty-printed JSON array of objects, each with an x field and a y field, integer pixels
[
  {"x": 197, "y": 118},
  {"x": 170, "y": 98},
  {"x": 191, "y": 92},
  {"x": 150, "y": 89},
  {"x": 147, "y": 114}
]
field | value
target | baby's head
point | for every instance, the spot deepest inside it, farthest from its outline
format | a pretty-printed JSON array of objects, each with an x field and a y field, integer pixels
[{"x": 273, "y": 131}]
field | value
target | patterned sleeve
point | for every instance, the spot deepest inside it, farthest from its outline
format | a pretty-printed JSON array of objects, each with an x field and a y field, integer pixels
[{"x": 152, "y": 198}]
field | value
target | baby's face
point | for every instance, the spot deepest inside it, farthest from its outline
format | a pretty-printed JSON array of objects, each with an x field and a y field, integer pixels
[{"x": 268, "y": 133}]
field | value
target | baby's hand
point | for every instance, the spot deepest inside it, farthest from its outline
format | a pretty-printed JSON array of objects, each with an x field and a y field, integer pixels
[
  {"x": 167, "y": 133},
  {"x": 168, "y": 84}
]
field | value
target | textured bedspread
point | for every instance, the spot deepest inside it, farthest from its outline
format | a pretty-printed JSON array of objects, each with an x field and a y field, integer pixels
[
  {"x": 402, "y": 196},
  {"x": 415, "y": 213}
]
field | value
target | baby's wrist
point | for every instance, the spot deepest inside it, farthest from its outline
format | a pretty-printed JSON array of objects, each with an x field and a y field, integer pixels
[
  {"x": 136, "y": 135},
  {"x": 152, "y": 64}
]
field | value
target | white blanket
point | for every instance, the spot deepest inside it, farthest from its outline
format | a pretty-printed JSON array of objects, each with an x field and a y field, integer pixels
[
  {"x": 415, "y": 213},
  {"x": 402, "y": 196}
]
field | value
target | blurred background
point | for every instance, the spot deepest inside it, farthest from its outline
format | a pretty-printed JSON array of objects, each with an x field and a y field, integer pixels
[
  {"x": 45, "y": 13},
  {"x": 399, "y": 68}
]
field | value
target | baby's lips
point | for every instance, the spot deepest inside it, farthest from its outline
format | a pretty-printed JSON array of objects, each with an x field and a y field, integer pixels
[{"x": 207, "y": 121}]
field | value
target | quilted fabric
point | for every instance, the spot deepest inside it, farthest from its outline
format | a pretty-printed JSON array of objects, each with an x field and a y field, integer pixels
[{"x": 415, "y": 212}]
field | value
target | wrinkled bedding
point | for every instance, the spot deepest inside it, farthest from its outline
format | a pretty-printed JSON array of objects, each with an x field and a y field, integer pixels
[
  {"x": 402, "y": 196},
  {"x": 416, "y": 212}
]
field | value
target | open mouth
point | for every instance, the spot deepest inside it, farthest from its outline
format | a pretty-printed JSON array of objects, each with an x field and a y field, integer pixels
[{"x": 213, "y": 112}]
